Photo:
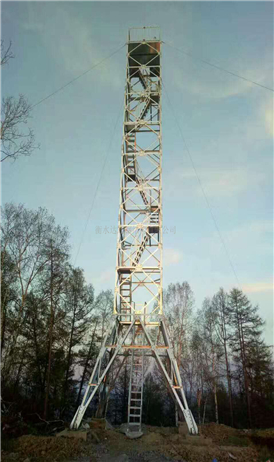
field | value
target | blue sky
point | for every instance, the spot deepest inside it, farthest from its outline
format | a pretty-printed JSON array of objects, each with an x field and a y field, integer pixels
[{"x": 227, "y": 124}]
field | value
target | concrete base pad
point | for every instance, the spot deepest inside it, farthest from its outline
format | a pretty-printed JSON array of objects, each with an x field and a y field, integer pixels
[
  {"x": 131, "y": 431},
  {"x": 134, "y": 435}
]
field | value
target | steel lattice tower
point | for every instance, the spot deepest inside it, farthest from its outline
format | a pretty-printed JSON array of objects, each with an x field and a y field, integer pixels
[{"x": 139, "y": 330}]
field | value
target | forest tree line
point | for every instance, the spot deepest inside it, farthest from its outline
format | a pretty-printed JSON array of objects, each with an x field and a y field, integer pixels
[{"x": 52, "y": 324}]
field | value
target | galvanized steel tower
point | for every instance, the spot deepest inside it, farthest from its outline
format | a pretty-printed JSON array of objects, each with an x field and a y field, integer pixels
[{"x": 139, "y": 329}]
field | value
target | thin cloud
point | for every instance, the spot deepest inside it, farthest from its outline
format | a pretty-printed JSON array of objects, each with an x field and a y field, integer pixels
[
  {"x": 258, "y": 287},
  {"x": 220, "y": 182},
  {"x": 207, "y": 83},
  {"x": 106, "y": 276},
  {"x": 171, "y": 257},
  {"x": 250, "y": 240},
  {"x": 269, "y": 121},
  {"x": 72, "y": 45}
]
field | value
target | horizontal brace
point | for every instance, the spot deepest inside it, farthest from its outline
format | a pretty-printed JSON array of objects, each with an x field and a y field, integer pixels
[
  {"x": 149, "y": 324},
  {"x": 139, "y": 347}
]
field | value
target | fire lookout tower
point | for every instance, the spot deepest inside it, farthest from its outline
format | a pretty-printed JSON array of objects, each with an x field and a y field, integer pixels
[{"x": 139, "y": 329}]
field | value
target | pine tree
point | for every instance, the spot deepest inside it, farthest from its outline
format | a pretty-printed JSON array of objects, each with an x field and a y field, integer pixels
[
  {"x": 79, "y": 305},
  {"x": 247, "y": 329},
  {"x": 220, "y": 306}
]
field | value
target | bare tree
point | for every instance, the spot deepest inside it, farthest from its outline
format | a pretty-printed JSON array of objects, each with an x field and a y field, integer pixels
[
  {"x": 178, "y": 302},
  {"x": 23, "y": 238},
  {"x": 212, "y": 350},
  {"x": 16, "y": 138}
]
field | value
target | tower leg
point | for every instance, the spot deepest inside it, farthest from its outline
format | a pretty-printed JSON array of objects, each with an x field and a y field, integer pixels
[
  {"x": 95, "y": 378},
  {"x": 183, "y": 406}
]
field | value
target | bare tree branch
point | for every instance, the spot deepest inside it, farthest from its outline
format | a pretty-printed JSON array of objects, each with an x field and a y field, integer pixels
[
  {"x": 7, "y": 54},
  {"x": 16, "y": 142},
  {"x": 46, "y": 421}
]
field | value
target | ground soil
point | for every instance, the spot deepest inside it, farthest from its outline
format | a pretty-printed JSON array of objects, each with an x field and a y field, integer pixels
[{"x": 219, "y": 442}]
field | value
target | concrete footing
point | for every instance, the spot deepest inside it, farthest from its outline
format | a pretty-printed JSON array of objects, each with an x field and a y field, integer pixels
[{"x": 131, "y": 431}]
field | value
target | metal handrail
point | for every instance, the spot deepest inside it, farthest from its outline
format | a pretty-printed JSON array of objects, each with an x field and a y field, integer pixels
[{"x": 150, "y": 33}]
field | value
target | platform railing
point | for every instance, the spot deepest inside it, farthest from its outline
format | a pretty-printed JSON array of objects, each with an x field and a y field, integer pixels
[{"x": 150, "y": 33}]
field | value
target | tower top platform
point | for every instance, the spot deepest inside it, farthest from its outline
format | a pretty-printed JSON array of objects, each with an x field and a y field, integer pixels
[{"x": 144, "y": 44}]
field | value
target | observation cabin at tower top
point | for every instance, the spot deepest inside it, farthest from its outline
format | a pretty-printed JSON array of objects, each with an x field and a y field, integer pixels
[{"x": 144, "y": 47}]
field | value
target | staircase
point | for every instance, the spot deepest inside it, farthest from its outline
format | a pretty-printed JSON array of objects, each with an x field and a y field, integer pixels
[
  {"x": 130, "y": 168},
  {"x": 125, "y": 292},
  {"x": 145, "y": 109},
  {"x": 154, "y": 222},
  {"x": 131, "y": 142},
  {"x": 140, "y": 250},
  {"x": 142, "y": 79},
  {"x": 140, "y": 182}
]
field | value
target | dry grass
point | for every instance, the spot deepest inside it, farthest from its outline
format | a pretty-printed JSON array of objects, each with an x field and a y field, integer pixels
[{"x": 44, "y": 448}]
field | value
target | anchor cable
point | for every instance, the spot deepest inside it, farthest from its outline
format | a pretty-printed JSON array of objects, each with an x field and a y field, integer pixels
[
  {"x": 78, "y": 77},
  {"x": 98, "y": 183},
  {"x": 203, "y": 191},
  {"x": 218, "y": 67}
]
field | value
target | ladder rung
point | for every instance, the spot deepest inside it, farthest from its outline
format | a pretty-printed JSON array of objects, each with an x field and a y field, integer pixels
[
  {"x": 137, "y": 416},
  {"x": 135, "y": 407}
]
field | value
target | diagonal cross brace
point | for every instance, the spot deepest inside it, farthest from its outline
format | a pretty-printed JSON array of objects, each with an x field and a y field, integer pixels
[{"x": 192, "y": 427}]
